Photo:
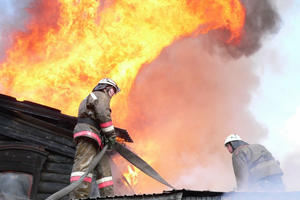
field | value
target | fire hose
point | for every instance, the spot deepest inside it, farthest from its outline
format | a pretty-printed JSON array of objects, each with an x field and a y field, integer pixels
[
  {"x": 140, "y": 163},
  {"x": 125, "y": 153},
  {"x": 66, "y": 190}
]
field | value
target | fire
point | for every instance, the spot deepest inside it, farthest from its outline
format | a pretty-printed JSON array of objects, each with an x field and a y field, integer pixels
[
  {"x": 131, "y": 175},
  {"x": 70, "y": 45},
  {"x": 59, "y": 60}
]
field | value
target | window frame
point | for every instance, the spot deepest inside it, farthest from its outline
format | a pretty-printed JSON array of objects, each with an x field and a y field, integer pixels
[{"x": 27, "y": 158}]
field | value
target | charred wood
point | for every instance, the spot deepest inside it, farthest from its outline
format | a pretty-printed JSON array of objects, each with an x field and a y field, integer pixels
[
  {"x": 59, "y": 159},
  {"x": 58, "y": 168},
  {"x": 50, "y": 187},
  {"x": 54, "y": 177},
  {"x": 20, "y": 132}
]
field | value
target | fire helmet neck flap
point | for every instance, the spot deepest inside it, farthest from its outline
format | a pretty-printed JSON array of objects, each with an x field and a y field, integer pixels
[
  {"x": 103, "y": 83},
  {"x": 231, "y": 138}
]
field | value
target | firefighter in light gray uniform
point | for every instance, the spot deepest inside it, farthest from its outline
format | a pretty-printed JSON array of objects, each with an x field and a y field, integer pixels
[
  {"x": 254, "y": 166},
  {"x": 94, "y": 123}
]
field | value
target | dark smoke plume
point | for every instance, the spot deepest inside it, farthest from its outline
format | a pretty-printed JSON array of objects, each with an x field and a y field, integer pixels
[{"x": 262, "y": 18}]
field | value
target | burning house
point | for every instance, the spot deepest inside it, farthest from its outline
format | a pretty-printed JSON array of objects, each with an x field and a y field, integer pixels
[
  {"x": 37, "y": 150},
  {"x": 172, "y": 83},
  {"x": 36, "y": 157}
]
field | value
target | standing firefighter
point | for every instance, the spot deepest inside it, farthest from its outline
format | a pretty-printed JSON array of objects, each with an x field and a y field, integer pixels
[
  {"x": 94, "y": 123},
  {"x": 254, "y": 167}
]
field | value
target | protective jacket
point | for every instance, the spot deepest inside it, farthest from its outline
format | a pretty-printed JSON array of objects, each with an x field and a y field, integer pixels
[
  {"x": 96, "y": 108},
  {"x": 253, "y": 163},
  {"x": 94, "y": 122}
]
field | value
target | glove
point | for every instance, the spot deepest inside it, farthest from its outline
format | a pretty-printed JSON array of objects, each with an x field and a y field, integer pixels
[{"x": 111, "y": 141}]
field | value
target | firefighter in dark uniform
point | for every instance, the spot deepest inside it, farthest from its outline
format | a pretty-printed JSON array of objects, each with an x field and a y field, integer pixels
[
  {"x": 94, "y": 123},
  {"x": 254, "y": 166}
]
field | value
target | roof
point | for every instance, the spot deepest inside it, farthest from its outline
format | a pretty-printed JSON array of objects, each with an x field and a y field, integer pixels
[
  {"x": 52, "y": 129},
  {"x": 184, "y": 194}
]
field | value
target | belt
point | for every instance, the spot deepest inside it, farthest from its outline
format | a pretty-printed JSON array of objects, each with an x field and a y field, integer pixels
[{"x": 89, "y": 121}]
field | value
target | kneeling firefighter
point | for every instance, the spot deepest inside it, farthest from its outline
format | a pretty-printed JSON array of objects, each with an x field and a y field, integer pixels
[{"x": 93, "y": 125}]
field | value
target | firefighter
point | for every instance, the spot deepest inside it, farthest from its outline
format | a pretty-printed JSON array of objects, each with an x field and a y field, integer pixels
[
  {"x": 254, "y": 166},
  {"x": 93, "y": 125}
]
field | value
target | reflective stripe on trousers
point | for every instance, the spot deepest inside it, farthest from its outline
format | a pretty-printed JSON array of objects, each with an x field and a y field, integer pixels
[
  {"x": 86, "y": 150},
  {"x": 105, "y": 182},
  {"x": 75, "y": 176}
]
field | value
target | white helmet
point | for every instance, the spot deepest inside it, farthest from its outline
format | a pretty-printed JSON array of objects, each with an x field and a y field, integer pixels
[
  {"x": 109, "y": 81},
  {"x": 232, "y": 137}
]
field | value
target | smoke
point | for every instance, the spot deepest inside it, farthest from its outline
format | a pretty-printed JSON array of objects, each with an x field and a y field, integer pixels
[
  {"x": 185, "y": 103},
  {"x": 13, "y": 18},
  {"x": 290, "y": 163},
  {"x": 18, "y": 16},
  {"x": 290, "y": 167},
  {"x": 262, "y": 19},
  {"x": 189, "y": 99}
]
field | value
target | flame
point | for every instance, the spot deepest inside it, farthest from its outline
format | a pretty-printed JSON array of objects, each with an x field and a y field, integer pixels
[
  {"x": 131, "y": 175},
  {"x": 71, "y": 44}
]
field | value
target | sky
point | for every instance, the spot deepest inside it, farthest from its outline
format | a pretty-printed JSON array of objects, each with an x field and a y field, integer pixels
[{"x": 276, "y": 102}]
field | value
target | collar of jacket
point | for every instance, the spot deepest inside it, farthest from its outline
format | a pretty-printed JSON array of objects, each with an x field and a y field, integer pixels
[{"x": 236, "y": 151}]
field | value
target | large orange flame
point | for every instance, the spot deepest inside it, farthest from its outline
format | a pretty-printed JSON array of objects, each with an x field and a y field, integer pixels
[
  {"x": 58, "y": 63},
  {"x": 72, "y": 44}
]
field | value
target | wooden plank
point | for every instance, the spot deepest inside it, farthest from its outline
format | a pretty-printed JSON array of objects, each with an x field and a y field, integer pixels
[
  {"x": 5, "y": 138},
  {"x": 59, "y": 159},
  {"x": 24, "y": 135},
  {"x": 50, "y": 187},
  {"x": 122, "y": 133},
  {"x": 29, "y": 107},
  {"x": 49, "y": 131},
  {"x": 57, "y": 168},
  {"x": 13, "y": 121},
  {"x": 68, "y": 133},
  {"x": 54, "y": 177}
]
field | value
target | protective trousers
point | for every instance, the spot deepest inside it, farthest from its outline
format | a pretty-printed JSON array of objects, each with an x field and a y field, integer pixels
[
  {"x": 270, "y": 183},
  {"x": 86, "y": 150}
]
